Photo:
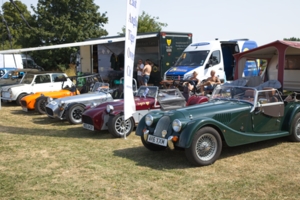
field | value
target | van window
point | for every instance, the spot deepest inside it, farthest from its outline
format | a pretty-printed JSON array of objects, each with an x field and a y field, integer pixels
[
  {"x": 215, "y": 58},
  {"x": 192, "y": 58}
]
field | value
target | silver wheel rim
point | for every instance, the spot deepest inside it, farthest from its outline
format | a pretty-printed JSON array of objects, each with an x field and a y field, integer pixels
[
  {"x": 297, "y": 128},
  {"x": 76, "y": 115},
  {"x": 122, "y": 126},
  {"x": 206, "y": 147}
]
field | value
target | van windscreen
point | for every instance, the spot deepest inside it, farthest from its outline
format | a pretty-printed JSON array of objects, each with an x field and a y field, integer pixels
[{"x": 192, "y": 58}]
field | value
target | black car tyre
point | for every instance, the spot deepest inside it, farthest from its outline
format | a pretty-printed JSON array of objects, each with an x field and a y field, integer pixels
[
  {"x": 40, "y": 105},
  {"x": 152, "y": 147},
  {"x": 118, "y": 127},
  {"x": 295, "y": 132},
  {"x": 19, "y": 98},
  {"x": 206, "y": 147},
  {"x": 74, "y": 114}
]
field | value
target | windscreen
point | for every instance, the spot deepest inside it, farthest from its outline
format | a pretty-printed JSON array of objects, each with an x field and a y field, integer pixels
[{"x": 192, "y": 58}]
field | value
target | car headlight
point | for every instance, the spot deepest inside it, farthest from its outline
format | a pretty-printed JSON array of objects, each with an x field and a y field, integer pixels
[
  {"x": 149, "y": 120},
  {"x": 49, "y": 99},
  {"x": 109, "y": 108},
  {"x": 176, "y": 125},
  {"x": 93, "y": 105}
]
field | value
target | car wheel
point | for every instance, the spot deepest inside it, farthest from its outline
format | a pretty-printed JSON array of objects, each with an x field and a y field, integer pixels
[
  {"x": 19, "y": 99},
  {"x": 295, "y": 133},
  {"x": 74, "y": 114},
  {"x": 206, "y": 147},
  {"x": 40, "y": 105},
  {"x": 152, "y": 147},
  {"x": 118, "y": 127}
]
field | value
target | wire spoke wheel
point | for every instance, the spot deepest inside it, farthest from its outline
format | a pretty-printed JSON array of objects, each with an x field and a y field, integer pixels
[{"x": 206, "y": 147}]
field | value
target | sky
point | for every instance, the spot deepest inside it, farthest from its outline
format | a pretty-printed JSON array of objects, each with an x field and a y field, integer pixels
[{"x": 263, "y": 21}]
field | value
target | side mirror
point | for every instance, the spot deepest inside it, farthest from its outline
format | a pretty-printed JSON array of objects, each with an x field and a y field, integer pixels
[{"x": 208, "y": 65}]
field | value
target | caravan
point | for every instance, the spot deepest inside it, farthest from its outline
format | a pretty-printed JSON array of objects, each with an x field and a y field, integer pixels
[{"x": 212, "y": 55}]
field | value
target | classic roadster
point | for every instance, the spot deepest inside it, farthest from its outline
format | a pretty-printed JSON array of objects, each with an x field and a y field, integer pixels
[
  {"x": 70, "y": 108},
  {"x": 38, "y": 101},
  {"x": 233, "y": 116},
  {"x": 110, "y": 115}
]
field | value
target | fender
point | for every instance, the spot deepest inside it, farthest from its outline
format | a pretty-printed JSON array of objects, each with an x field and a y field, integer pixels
[
  {"x": 293, "y": 110},
  {"x": 71, "y": 104}
]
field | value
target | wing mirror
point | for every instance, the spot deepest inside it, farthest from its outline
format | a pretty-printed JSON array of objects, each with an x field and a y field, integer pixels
[{"x": 257, "y": 108}]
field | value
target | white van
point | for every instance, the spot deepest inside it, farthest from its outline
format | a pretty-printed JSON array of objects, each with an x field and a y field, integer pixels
[
  {"x": 211, "y": 55},
  {"x": 11, "y": 61}
]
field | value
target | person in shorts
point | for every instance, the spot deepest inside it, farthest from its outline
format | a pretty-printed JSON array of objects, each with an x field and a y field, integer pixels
[{"x": 147, "y": 71}]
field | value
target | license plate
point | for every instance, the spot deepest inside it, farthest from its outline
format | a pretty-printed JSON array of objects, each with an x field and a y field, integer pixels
[
  {"x": 53, "y": 103},
  {"x": 25, "y": 109},
  {"x": 157, "y": 140},
  {"x": 88, "y": 126}
]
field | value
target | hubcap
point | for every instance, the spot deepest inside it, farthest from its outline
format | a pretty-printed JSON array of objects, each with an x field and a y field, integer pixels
[
  {"x": 206, "y": 147},
  {"x": 297, "y": 129},
  {"x": 123, "y": 127},
  {"x": 77, "y": 114}
]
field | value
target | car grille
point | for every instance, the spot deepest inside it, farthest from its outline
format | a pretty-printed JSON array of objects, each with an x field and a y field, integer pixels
[
  {"x": 87, "y": 120},
  {"x": 24, "y": 103},
  {"x": 49, "y": 111},
  {"x": 161, "y": 125},
  {"x": 174, "y": 77}
]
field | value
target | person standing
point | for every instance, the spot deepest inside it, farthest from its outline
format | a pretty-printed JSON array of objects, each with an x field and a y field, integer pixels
[
  {"x": 147, "y": 71},
  {"x": 139, "y": 70}
]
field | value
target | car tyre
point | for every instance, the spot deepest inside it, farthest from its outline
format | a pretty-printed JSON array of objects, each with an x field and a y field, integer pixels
[
  {"x": 152, "y": 147},
  {"x": 40, "y": 105},
  {"x": 74, "y": 114},
  {"x": 19, "y": 98},
  {"x": 295, "y": 131},
  {"x": 206, "y": 147},
  {"x": 117, "y": 127}
]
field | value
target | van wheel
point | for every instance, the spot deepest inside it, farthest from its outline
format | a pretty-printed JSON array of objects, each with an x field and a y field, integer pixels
[
  {"x": 40, "y": 105},
  {"x": 19, "y": 98},
  {"x": 74, "y": 114}
]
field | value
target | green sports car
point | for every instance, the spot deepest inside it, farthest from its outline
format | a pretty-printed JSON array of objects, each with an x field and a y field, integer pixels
[{"x": 233, "y": 115}]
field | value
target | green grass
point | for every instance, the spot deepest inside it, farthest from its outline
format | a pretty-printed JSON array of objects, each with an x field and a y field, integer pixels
[{"x": 42, "y": 158}]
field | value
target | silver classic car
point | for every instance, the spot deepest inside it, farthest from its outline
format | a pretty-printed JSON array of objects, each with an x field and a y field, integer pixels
[{"x": 70, "y": 108}]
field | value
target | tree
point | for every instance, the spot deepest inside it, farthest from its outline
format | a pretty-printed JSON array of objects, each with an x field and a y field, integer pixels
[
  {"x": 63, "y": 21},
  {"x": 13, "y": 24},
  {"x": 292, "y": 39},
  {"x": 147, "y": 23}
]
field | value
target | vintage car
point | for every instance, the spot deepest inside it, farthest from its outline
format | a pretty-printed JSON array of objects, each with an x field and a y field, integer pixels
[
  {"x": 70, "y": 108},
  {"x": 233, "y": 116},
  {"x": 38, "y": 101},
  {"x": 31, "y": 83},
  {"x": 110, "y": 115}
]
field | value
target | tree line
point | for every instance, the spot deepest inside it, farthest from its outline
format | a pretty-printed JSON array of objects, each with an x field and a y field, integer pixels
[{"x": 57, "y": 22}]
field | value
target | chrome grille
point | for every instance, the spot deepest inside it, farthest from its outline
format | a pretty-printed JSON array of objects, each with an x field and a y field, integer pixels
[
  {"x": 49, "y": 111},
  {"x": 174, "y": 77},
  {"x": 23, "y": 103},
  {"x": 161, "y": 125}
]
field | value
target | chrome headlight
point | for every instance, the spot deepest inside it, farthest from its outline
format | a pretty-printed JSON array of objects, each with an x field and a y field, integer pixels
[
  {"x": 49, "y": 99},
  {"x": 62, "y": 103},
  {"x": 149, "y": 120},
  {"x": 93, "y": 105},
  {"x": 176, "y": 125},
  {"x": 109, "y": 108}
]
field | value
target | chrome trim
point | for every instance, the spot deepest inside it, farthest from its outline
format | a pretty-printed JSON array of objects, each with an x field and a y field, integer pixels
[{"x": 145, "y": 135}]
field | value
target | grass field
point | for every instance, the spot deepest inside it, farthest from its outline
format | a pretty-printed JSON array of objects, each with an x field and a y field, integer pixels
[{"x": 42, "y": 158}]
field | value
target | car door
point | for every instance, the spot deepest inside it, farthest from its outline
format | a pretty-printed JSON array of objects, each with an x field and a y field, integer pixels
[
  {"x": 268, "y": 114},
  {"x": 58, "y": 80},
  {"x": 42, "y": 82}
]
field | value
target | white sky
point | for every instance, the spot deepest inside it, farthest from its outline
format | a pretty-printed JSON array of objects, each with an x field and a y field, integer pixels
[{"x": 261, "y": 20}]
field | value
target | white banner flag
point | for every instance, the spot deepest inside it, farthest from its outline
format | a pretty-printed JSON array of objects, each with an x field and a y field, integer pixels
[{"x": 130, "y": 41}]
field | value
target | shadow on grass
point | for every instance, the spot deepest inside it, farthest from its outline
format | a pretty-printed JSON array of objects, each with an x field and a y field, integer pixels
[
  {"x": 73, "y": 132},
  {"x": 169, "y": 159}
]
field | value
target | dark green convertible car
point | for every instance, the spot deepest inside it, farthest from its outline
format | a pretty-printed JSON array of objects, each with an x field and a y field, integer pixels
[{"x": 233, "y": 115}]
